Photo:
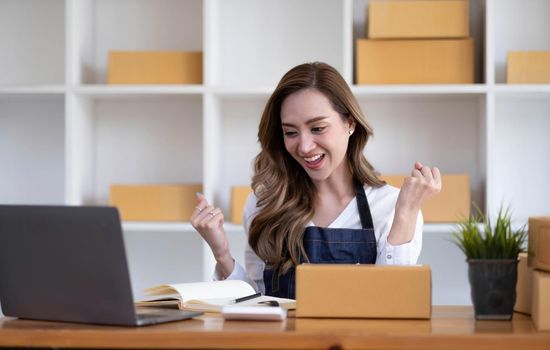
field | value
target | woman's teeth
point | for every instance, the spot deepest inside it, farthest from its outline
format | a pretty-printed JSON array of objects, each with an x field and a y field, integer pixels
[{"x": 314, "y": 159}]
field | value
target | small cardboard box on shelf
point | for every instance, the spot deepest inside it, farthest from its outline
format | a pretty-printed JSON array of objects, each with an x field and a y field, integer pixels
[
  {"x": 155, "y": 67},
  {"x": 239, "y": 194},
  {"x": 528, "y": 67},
  {"x": 447, "y": 206},
  {"x": 154, "y": 202}
]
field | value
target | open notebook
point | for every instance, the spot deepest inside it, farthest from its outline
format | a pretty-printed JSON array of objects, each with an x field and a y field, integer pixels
[{"x": 208, "y": 296}]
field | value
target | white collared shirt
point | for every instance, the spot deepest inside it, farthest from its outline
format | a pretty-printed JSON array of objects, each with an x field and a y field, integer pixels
[{"x": 382, "y": 202}]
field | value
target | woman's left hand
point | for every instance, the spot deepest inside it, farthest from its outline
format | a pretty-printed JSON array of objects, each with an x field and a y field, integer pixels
[{"x": 424, "y": 183}]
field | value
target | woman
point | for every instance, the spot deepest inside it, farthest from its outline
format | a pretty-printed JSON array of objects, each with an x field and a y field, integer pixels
[{"x": 310, "y": 190}]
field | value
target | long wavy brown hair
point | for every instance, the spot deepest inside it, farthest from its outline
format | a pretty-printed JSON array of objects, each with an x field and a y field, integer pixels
[{"x": 285, "y": 193}]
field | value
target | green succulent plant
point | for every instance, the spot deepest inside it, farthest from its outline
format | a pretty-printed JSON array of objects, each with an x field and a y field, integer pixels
[{"x": 478, "y": 239}]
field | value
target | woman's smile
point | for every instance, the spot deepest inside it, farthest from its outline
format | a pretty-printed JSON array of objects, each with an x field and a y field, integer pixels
[{"x": 315, "y": 161}]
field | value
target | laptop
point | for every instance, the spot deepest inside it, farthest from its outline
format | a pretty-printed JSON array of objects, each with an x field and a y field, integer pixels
[{"x": 68, "y": 263}]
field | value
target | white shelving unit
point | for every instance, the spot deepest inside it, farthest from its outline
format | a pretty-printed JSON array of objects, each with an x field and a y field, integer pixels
[{"x": 65, "y": 135}]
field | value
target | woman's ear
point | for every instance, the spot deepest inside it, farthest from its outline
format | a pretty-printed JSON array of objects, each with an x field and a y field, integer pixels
[{"x": 351, "y": 123}]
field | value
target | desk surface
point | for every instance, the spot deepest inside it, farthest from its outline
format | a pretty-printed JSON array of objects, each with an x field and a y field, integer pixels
[{"x": 451, "y": 327}]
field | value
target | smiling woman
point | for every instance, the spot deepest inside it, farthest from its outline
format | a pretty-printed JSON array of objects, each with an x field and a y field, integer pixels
[{"x": 311, "y": 184}]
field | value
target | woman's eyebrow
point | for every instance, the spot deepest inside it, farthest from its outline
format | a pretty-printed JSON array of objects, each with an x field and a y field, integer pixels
[{"x": 310, "y": 121}]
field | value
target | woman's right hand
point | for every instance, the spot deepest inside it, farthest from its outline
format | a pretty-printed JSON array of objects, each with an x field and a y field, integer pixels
[{"x": 208, "y": 221}]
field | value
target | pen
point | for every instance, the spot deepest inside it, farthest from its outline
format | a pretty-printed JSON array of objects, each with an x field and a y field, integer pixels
[{"x": 248, "y": 297}]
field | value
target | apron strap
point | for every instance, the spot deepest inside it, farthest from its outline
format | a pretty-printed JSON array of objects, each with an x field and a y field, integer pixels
[{"x": 363, "y": 206}]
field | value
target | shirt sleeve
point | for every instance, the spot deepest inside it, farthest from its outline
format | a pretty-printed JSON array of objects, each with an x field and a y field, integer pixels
[{"x": 403, "y": 254}]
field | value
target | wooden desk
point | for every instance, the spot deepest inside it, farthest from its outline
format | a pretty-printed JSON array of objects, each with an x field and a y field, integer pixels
[{"x": 451, "y": 327}]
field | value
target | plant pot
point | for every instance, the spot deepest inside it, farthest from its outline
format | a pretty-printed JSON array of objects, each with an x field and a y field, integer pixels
[{"x": 493, "y": 287}]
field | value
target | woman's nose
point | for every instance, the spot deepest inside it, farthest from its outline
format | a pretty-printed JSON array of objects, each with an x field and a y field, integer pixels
[{"x": 306, "y": 144}]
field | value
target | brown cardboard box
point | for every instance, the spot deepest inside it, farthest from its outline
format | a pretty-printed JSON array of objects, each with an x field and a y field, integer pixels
[
  {"x": 524, "y": 286},
  {"x": 154, "y": 202},
  {"x": 363, "y": 291},
  {"x": 155, "y": 67},
  {"x": 539, "y": 243},
  {"x": 528, "y": 67},
  {"x": 239, "y": 194},
  {"x": 415, "y": 61},
  {"x": 450, "y": 204},
  {"x": 402, "y": 19},
  {"x": 541, "y": 300}
]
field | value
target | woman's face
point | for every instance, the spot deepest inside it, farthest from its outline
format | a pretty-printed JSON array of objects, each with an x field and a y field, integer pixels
[{"x": 315, "y": 134}]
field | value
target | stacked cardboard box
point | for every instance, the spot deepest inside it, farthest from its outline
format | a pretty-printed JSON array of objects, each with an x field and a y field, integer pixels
[
  {"x": 416, "y": 42},
  {"x": 539, "y": 261},
  {"x": 523, "y": 286}
]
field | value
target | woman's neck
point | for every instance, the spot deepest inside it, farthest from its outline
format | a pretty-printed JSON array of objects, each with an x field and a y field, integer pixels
[
  {"x": 336, "y": 187},
  {"x": 332, "y": 197}
]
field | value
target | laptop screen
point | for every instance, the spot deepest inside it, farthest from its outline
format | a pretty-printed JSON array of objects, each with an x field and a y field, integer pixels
[{"x": 64, "y": 263}]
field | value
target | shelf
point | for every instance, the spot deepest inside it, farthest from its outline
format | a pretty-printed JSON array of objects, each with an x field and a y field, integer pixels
[
  {"x": 32, "y": 152},
  {"x": 418, "y": 89},
  {"x": 134, "y": 139},
  {"x": 277, "y": 35},
  {"x": 529, "y": 31},
  {"x": 99, "y": 26},
  {"x": 238, "y": 92},
  {"x": 66, "y": 135},
  {"x": 32, "y": 90},
  {"x": 522, "y": 89},
  {"x": 521, "y": 146},
  {"x": 32, "y": 38},
  {"x": 118, "y": 90},
  {"x": 367, "y": 90},
  {"x": 431, "y": 228},
  {"x": 230, "y": 228},
  {"x": 137, "y": 226}
]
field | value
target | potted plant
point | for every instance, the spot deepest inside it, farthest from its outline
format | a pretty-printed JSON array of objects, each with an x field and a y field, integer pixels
[{"x": 492, "y": 256}]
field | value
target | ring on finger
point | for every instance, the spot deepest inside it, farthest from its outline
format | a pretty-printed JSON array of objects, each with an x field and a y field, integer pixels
[
  {"x": 199, "y": 209},
  {"x": 213, "y": 213}
]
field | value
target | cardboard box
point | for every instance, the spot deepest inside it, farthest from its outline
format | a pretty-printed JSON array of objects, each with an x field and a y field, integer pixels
[
  {"x": 524, "y": 286},
  {"x": 155, "y": 67},
  {"x": 450, "y": 204},
  {"x": 528, "y": 67},
  {"x": 402, "y": 19},
  {"x": 414, "y": 61},
  {"x": 541, "y": 300},
  {"x": 154, "y": 202},
  {"x": 363, "y": 291},
  {"x": 539, "y": 243},
  {"x": 239, "y": 194}
]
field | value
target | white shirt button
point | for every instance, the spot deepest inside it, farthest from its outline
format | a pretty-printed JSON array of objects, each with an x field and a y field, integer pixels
[{"x": 388, "y": 256}]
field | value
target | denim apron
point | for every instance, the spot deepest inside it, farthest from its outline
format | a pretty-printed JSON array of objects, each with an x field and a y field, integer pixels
[{"x": 329, "y": 246}]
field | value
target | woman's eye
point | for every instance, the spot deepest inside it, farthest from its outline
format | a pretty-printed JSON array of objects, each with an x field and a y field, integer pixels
[
  {"x": 290, "y": 133},
  {"x": 318, "y": 129}
]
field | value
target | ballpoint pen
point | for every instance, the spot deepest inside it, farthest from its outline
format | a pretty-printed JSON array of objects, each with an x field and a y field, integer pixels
[{"x": 248, "y": 297}]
